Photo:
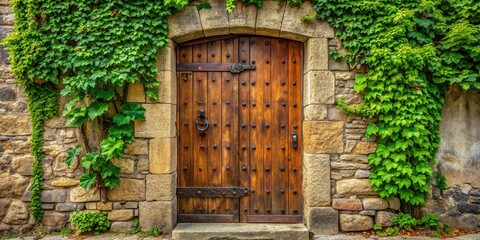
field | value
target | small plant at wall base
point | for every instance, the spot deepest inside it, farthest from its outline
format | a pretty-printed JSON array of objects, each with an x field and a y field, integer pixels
[
  {"x": 86, "y": 221},
  {"x": 414, "y": 50}
]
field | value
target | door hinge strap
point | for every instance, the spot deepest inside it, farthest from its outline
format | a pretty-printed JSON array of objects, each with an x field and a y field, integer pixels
[{"x": 212, "y": 192}]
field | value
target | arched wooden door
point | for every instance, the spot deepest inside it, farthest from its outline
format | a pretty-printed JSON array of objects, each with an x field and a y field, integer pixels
[{"x": 246, "y": 166}]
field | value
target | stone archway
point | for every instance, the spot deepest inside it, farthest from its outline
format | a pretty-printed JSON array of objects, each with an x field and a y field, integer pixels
[{"x": 324, "y": 126}]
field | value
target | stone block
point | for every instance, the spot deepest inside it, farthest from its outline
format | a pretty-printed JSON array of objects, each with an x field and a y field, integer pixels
[
  {"x": 15, "y": 125},
  {"x": 323, "y": 137},
  {"x": 54, "y": 221},
  {"x": 128, "y": 190},
  {"x": 316, "y": 180},
  {"x": 162, "y": 214},
  {"x": 316, "y": 55},
  {"x": 7, "y": 93},
  {"x": 347, "y": 204},
  {"x": 120, "y": 215},
  {"x": 142, "y": 165},
  {"x": 161, "y": 186},
  {"x": 91, "y": 206},
  {"x": 353, "y": 223},
  {"x": 354, "y": 158},
  {"x": 337, "y": 65},
  {"x": 79, "y": 194},
  {"x": 383, "y": 217},
  {"x": 64, "y": 182},
  {"x": 375, "y": 203},
  {"x": 22, "y": 164},
  {"x": 166, "y": 59},
  {"x": 293, "y": 27},
  {"x": 322, "y": 220},
  {"x": 349, "y": 165},
  {"x": 242, "y": 19},
  {"x": 394, "y": 203},
  {"x": 167, "y": 92},
  {"x": 269, "y": 18},
  {"x": 136, "y": 92},
  {"x": 163, "y": 155},
  {"x": 127, "y": 166},
  {"x": 215, "y": 20},
  {"x": 130, "y": 205},
  {"x": 160, "y": 121},
  {"x": 185, "y": 25},
  {"x": 365, "y": 148},
  {"x": 65, "y": 207},
  {"x": 121, "y": 227},
  {"x": 368, "y": 213},
  {"x": 319, "y": 88},
  {"x": 4, "y": 205},
  {"x": 315, "y": 112},
  {"x": 323, "y": 30},
  {"x": 54, "y": 196},
  {"x": 362, "y": 174},
  {"x": 138, "y": 147},
  {"x": 355, "y": 187},
  {"x": 104, "y": 206},
  {"x": 17, "y": 213},
  {"x": 466, "y": 207},
  {"x": 48, "y": 206}
]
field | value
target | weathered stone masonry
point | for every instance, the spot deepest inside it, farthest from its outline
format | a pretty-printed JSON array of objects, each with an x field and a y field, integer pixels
[{"x": 337, "y": 192}]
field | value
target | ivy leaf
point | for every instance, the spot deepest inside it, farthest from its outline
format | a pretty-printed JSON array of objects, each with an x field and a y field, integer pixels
[
  {"x": 110, "y": 170},
  {"x": 76, "y": 117},
  {"x": 360, "y": 83},
  {"x": 120, "y": 119},
  {"x": 152, "y": 93},
  {"x": 124, "y": 131},
  {"x": 96, "y": 109},
  {"x": 72, "y": 154},
  {"x": 203, "y": 5},
  {"x": 111, "y": 181},
  {"x": 134, "y": 110},
  {"x": 107, "y": 94},
  {"x": 89, "y": 160},
  {"x": 87, "y": 180},
  {"x": 372, "y": 129},
  {"x": 111, "y": 147}
]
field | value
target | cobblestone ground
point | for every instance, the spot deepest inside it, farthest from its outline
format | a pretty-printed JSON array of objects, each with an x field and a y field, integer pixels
[{"x": 321, "y": 237}]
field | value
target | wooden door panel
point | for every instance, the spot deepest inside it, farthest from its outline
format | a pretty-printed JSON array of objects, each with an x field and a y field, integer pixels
[{"x": 252, "y": 117}]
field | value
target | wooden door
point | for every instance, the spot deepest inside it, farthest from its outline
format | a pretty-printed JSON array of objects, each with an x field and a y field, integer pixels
[{"x": 247, "y": 164}]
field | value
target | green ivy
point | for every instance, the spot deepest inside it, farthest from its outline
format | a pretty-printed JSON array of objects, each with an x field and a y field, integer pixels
[
  {"x": 87, "y": 221},
  {"x": 414, "y": 50}
]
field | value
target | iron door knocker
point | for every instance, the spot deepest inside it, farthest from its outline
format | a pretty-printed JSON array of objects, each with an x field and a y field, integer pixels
[{"x": 202, "y": 126}]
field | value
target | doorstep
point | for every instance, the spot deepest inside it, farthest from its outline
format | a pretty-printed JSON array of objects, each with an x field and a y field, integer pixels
[{"x": 239, "y": 231}]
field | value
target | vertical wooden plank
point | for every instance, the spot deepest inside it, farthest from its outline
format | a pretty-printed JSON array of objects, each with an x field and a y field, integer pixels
[
  {"x": 244, "y": 125},
  {"x": 230, "y": 122},
  {"x": 200, "y": 149},
  {"x": 185, "y": 130},
  {"x": 279, "y": 126},
  {"x": 214, "y": 134},
  {"x": 265, "y": 127},
  {"x": 259, "y": 52},
  {"x": 295, "y": 125}
]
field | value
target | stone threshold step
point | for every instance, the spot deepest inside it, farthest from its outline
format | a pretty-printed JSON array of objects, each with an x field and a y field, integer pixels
[{"x": 239, "y": 231}]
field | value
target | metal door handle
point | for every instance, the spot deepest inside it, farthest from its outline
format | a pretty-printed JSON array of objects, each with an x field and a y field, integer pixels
[
  {"x": 294, "y": 140},
  {"x": 202, "y": 127}
]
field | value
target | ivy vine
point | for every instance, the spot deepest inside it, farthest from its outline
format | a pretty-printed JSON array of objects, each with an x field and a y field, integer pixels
[{"x": 414, "y": 50}]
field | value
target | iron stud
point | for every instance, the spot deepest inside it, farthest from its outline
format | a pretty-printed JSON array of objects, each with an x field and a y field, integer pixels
[
  {"x": 255, "y": 209},
  {"x": 214, "y": 79},
  {"x": 227, "y": 79},
  {"x": 253, "y": 147},
  {"x": 199, "y": 102},
  {"x": 252, "y": 42},
  {"x": 253, "y": 61},
  {"x": 185, "y": 123},
  {"x": 268, "y": 210},
  {"x": 213, "y": 209},
  {"x": 294, "y": 169},
  {"x": 254, "y": 104},
  {"x": 184, "y": 55},
  {"x": 295, "y": 126},
  {"x": 234, "y": 193},
  {"x": 229, "y": 146},
  {"x": 215, "y": 146},
  {"x": 267, "y": 104},
  {"x": 228, "y": 168},
  {"x": 223, "y": 194},
  {"x": 244, "y": 125},
  {"x": 202, "y": 146},
  {"x": 267, "y": 42},
  {"x": 199, "y": 168},
  {"x": 295, "y": 210},
  {"x": 199, "y": 55},
  {"x": 244, "y": 61},
  {"x": 284, "y": 104},
  {"x": 214, "y": 169},
  {"x": 185, "y": 102},
  {"x": 185, "y": 146},
  {"x": 294, "y": 191},
  {"x": 282, "y": 82},
  {"x": 283, "y": 61},
  {"x": 199, "y": 192},
  {"x": 185, "y": 79},
  {"x": 215, "y": 124},
  {"x": 267, "y": 125},
  {"x": 244, "y": 168},
  {"x": 282, "y": 125},
  {"x": 253, "y": 83},
  {"x": 213, "y": 55},
  {"x": 282, "y": 191},
  {"x": 244, "y": 104},
  {"x": 227, "y": 102},
  {"x": 243, "y": 83},
  {"x": 253, "y": 191},
  {"x": 294, "y": 105},
  {"x": 283, "y": 210},
  {"x": 267, "y": 83},
  {"x": 254, "y": 169},
  {"x": 214, "y": 103},
  {"x": 283, "y": 147},
  {"x": 228, "y": 55},
  {"x": 294, "y": 83},
  {"x": 227, "y": 124},
  {"x": 254, "y": 125},
  {"x": 268, "y": 147},
  {"x": 267, "y": 61},
  {"x": 185, "y": 168},
  {"x": 244, "y": 147},
  {"x": 268, "y": 190},
  {"x": 282, "y": 168},
  {"x": 294, "y": 60},
  {"x": 267, "y": 169},
  {"x": 245, "y": 209}
]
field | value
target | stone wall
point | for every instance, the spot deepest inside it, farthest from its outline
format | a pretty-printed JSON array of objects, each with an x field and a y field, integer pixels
[
  {"x": 459, "y": 160},
  {"x": 337, "y": 192}
]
